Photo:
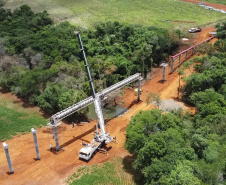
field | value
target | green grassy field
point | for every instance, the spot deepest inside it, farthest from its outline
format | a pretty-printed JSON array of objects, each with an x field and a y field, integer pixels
[
  {"x": 16, "y": 119},
  {"x": 112, "y": 172},
  {"x": 161, "y": 13}
]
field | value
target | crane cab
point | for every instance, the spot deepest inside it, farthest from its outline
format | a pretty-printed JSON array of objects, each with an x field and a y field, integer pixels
[{"x": 88, "y": 151}]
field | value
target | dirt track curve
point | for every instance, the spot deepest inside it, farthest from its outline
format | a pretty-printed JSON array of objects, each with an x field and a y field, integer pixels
[
  {"x": 55, "y": 169},
  {"x": 218, "y": 6}
]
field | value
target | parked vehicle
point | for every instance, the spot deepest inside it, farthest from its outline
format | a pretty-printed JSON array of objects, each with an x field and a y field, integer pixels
[{"x": 194, "y": 30}]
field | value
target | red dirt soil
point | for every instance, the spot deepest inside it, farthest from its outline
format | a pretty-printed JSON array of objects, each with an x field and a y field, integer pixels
[
  {"x": 218, "y": 6},
  {"x": 55, "y": 168}
]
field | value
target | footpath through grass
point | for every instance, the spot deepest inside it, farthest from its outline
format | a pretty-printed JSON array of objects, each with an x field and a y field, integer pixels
[
  {"x": 15, "y": 119},
  {"x": 160, "y": 13},
  {"x": 112, "y": 172}
]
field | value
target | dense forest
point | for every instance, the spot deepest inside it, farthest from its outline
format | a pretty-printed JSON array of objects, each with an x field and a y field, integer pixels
[
  {"x": 176, "y": 148},
  {"x": 41, "y": 61}
]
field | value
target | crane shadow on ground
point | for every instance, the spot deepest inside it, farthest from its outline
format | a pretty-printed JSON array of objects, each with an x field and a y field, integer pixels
[
  {"x": 84, "y": 140},
  {"x": 134, "y": 102},
  {"x": 162, "y": 81},
  {"x": 73, "y": 140}
]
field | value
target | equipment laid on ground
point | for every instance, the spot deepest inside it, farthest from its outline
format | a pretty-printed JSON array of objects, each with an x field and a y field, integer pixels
[
  {"x": 194, "y": 30},
  {"x": 211, "y": 8},
  {"x": 102, "y": 138},
  {"x": 213, "y": 33},
  {"x": 136, "y": 91}
]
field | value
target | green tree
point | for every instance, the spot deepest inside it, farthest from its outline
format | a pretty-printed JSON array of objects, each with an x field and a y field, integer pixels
[
  {"x": 180, "y": 72},
  {"x": 153, "y": 98},
  {"x": 183, "y": 174}
]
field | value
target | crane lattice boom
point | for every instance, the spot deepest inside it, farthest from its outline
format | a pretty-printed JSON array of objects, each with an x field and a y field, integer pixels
[{"x": 55, "y": 119}]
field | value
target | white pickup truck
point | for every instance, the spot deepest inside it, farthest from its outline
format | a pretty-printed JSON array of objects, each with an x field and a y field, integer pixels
[{"x": 194, "y": 30}]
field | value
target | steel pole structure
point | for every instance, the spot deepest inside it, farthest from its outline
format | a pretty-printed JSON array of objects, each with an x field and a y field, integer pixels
[
  {"x": 36, "y": 143},
  {"x": 6, "y": 147},
  {"x": 56, "y": 138},
  {"x": 163, "y": 65},
  {"x": 138, "y": 92},
  {"x": 163, "y": 75},
  {"x": 179, "y": 60},
  {"x": 120, "y": 84},
  {"x": 172, "y": 60},
  {"x": 55, "y": 119}
]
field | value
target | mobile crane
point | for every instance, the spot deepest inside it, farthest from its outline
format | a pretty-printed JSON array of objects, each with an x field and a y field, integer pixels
[{"x": 102, "y": 138}]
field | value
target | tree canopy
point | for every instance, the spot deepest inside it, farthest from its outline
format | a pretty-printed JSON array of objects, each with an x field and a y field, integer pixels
[
  {"x": 173, "y": 148},
  {"x": 41, "y": 61}
]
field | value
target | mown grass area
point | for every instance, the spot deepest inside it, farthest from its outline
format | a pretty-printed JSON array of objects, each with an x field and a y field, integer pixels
[
  {"x": 15, "y": 119},
  {"x": 112, "y": 172},
  {"x": 160, "y": 13},
  {"x": 223, "y": 2}
]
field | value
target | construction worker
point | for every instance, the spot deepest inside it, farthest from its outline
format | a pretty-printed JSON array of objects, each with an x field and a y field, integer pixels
[
  {"x": 51, "y": 148},
  {"x": 73, "y": 124},
  {"x": 115, "y": 139}
]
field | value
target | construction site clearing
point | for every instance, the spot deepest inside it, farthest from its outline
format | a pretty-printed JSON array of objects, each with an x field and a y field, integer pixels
[{"x": 55, "y": 167}]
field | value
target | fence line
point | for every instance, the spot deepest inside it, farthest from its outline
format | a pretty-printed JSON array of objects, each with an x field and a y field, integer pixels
[{"x": 188, "y": 53}]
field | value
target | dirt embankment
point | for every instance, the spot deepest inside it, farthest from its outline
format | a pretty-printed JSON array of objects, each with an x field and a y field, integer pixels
[
  {"x": 55, "y": 168},
  {"x": 218, "y": 6}
]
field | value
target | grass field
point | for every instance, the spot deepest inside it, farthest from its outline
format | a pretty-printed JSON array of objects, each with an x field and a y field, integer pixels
[
  {"x": 16, "y": 119},
  {"x": 112, "y": 172},
  {"x": 161, "y": 13}
]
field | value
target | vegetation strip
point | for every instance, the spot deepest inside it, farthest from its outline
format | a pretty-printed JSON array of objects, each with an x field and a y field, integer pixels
[{"x": 175, "y": 148}]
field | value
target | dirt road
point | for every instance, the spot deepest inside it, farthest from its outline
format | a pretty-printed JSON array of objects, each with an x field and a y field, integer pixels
[
  {"x": 218, "y": 6},
  {"x": 55, "y": 168}
]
